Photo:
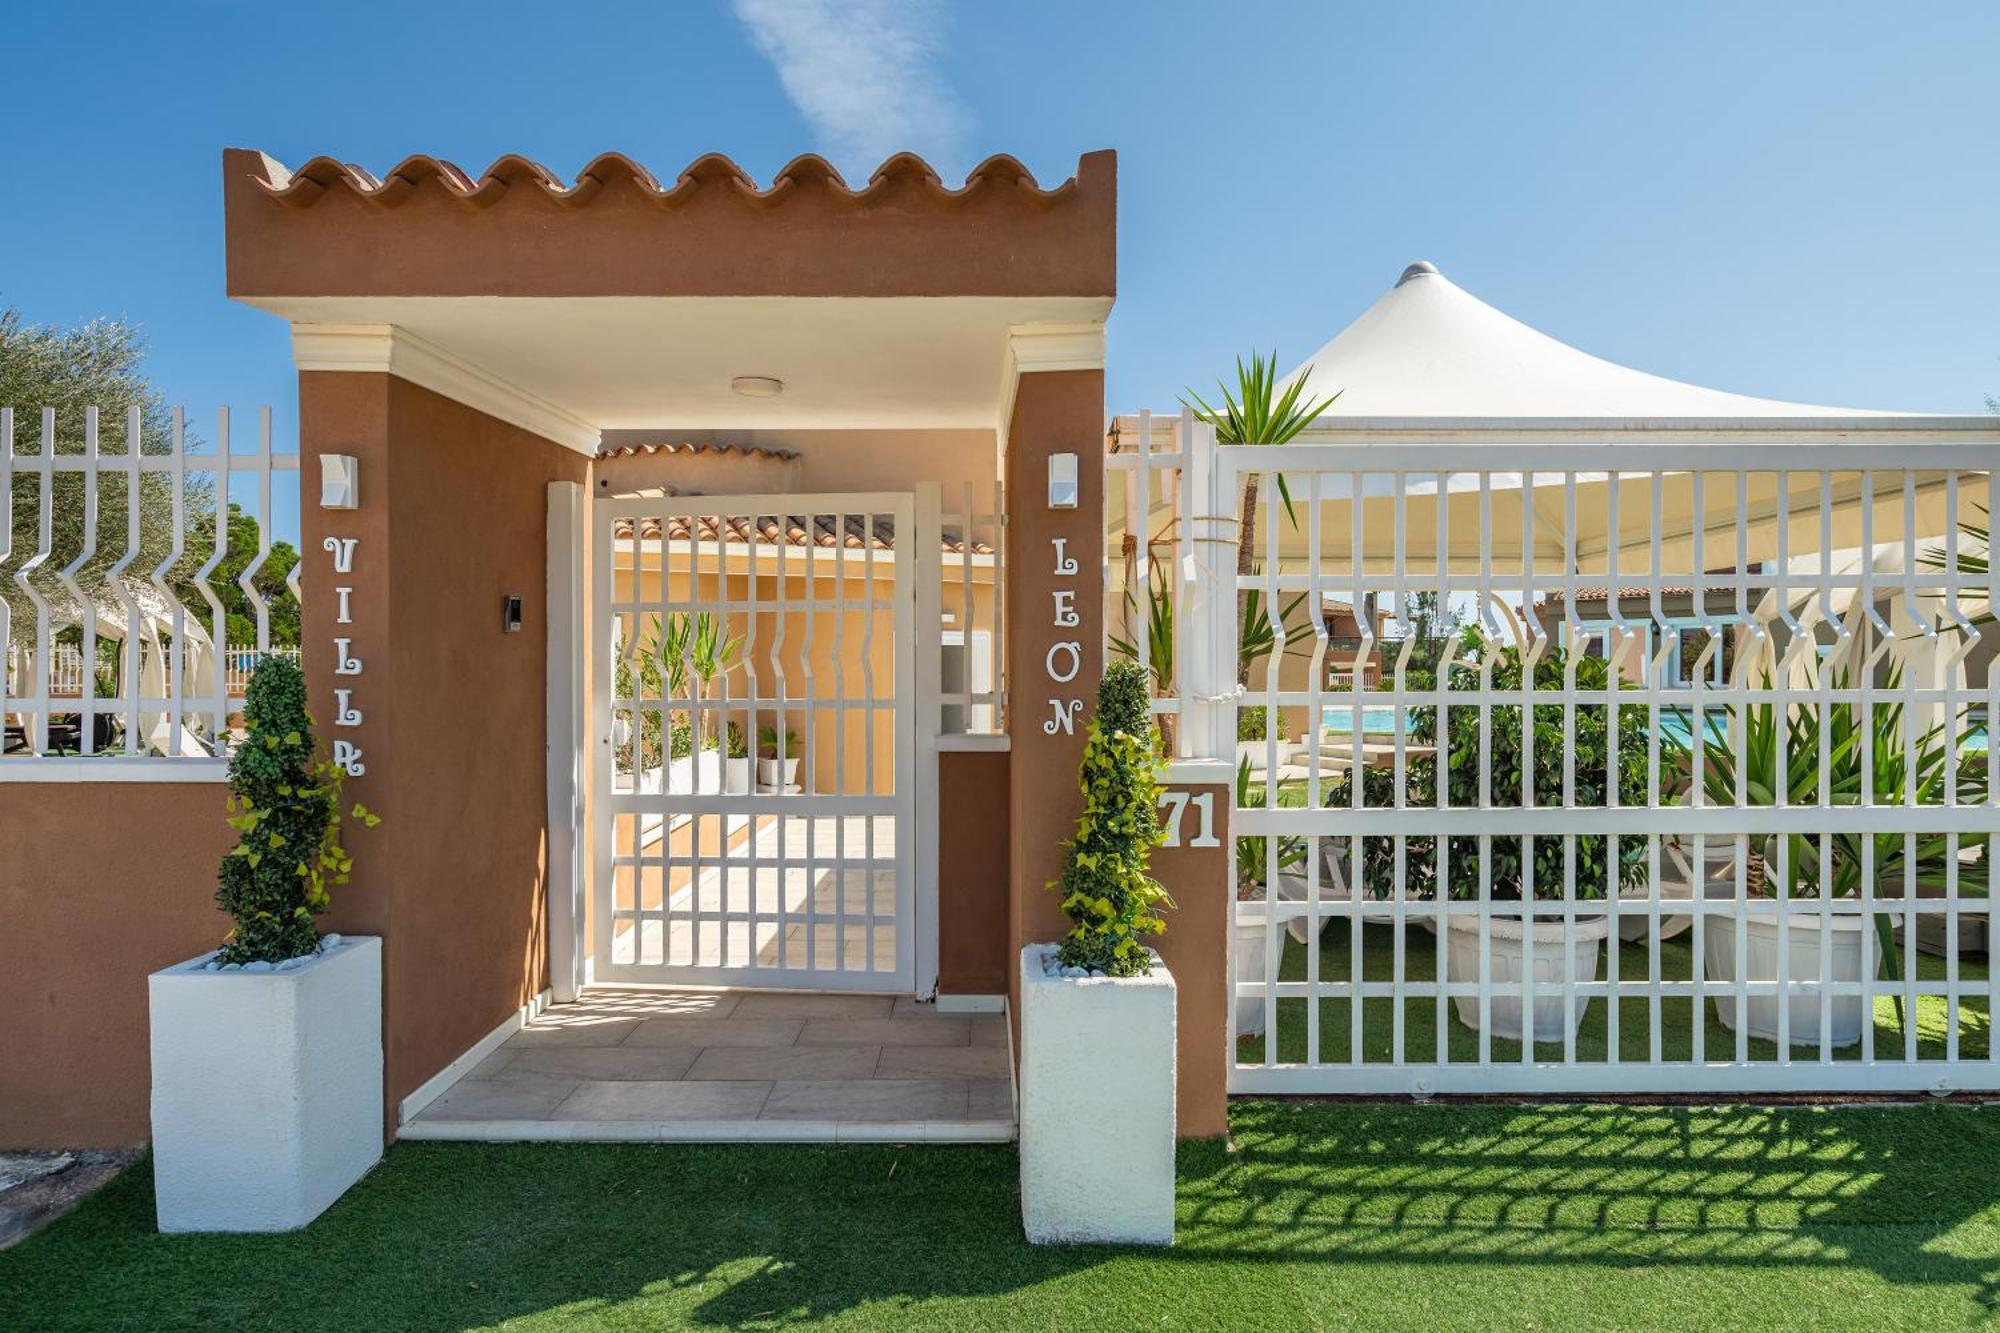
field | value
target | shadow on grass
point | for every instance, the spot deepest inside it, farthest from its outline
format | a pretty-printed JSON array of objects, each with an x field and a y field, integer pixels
[{"x": 1311, "y": 1205}]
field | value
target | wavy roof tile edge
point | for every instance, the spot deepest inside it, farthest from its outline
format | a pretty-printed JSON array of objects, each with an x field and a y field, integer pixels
[{"x": 809, "y": 171}]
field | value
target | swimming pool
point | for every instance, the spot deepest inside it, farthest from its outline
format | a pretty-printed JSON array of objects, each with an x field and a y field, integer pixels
[{"x": 1676, "y": 724}]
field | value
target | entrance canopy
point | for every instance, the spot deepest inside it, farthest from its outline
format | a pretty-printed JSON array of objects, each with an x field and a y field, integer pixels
[{"x": 619, "y": 301}]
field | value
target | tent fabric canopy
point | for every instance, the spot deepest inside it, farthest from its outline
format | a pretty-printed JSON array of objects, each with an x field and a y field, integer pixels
[{"x": 1429, "y": 348}]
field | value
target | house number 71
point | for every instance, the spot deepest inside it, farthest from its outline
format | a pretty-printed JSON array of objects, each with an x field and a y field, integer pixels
[{"x": 1176, "y": 804}]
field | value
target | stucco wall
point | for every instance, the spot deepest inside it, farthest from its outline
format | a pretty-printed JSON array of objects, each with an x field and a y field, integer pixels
[
  {"x": 100, "y": 884},
  {"x": 454, "y": 518},
  {"x": 972, "y": 873}
]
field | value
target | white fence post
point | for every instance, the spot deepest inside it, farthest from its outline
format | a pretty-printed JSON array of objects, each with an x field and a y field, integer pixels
[{"x": 1208, "y": 583}]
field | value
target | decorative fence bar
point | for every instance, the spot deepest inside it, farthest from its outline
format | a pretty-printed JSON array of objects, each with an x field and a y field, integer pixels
[
  {"x": 970, "y": 575},
  {"x": 1678, "y": 775},
  {"x": 140, "y": 578}
]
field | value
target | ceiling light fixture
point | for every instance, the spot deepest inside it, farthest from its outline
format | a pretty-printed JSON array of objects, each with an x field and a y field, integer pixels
[{"x": 757, "y": 386}]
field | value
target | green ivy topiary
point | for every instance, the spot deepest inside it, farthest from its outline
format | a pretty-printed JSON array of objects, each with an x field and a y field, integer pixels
[
  {"x": 1107, "y": 893},
  {"x": 285, "y": 803}
]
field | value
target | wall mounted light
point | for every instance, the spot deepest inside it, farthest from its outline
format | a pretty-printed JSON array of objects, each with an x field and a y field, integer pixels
[
  {"x": 757, "y": 386},
  {"x": 1062, "y": 481},
  {"x": 339, "y": 482}
]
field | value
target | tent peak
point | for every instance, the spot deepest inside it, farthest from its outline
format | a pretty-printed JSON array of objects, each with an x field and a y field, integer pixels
[{"x": 1423, "y": 268}]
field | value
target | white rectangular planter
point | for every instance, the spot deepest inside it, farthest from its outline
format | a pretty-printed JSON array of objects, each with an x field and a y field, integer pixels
[
  {"x": 1097, "y": 1106},
  {"x": 267, "y": 1088}
]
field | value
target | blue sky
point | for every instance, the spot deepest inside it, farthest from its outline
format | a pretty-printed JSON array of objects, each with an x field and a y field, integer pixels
[{"x": 1794, "y": 200}]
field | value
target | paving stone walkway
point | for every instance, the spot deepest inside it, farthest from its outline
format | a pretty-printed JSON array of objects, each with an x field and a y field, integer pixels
[{"x": 626, "y": 1064}]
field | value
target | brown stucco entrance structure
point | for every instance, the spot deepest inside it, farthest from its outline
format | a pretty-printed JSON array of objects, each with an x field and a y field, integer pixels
[
  {"x": 469, "y": 341},
  {"x": 484, "y": 355}
]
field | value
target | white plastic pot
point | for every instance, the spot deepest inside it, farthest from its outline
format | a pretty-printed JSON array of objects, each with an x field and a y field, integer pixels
[
  {"x": 1760, "y": 932},
  {"x": 697, "y": 773},
  {"x": 778, "y": 774},
  {"x": 736, "y": 775},
  {"x": 1097, "y": 1106},
  {"x": 1507, "y": 960},
  {"x": 1251, "y": 955},
  {"x": 267, "y": 1088}
]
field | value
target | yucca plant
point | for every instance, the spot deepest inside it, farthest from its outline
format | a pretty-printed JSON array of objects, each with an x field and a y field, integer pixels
[
  {"x": 1868, "y": 753},
  {"x": 1257, "y": 412},
  {"x": 1253, "y": 867}
]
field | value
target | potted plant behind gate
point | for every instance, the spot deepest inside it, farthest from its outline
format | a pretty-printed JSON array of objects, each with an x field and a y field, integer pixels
[
  {"x": 1585, "y": 734},
  {"x": 737, "y": 766},
  {"x": 1097, "y": 1010},
  {"x": 267, "y": 1053},
  {"x": 1257, "y": 860},
  {"x": 1768, "y": 754},
  {"x": 778, "y": 758}
]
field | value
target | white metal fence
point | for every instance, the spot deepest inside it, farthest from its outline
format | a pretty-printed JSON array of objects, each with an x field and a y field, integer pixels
[
  {"x": 1547, "y": 855},
  {"x": 1674, "y": 768},
  {"x": 140, "y": 579}
]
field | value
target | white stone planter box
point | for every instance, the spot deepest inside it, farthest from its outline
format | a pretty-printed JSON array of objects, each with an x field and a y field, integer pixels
[
  {"x": 1097, "y": 1106},
  {"x": 1507, "y": 959},
  {"x": 267, "y": 1088},
  {"x": 1760, "y": 934}
]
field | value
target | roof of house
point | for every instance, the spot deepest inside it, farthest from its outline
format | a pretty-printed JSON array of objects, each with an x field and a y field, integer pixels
[
  {"x": 780, "y": 530},
  {"x": 696, "y": 447},
  {"x": 809, "y": 172},
  {"x": 1603, "y": 593}
]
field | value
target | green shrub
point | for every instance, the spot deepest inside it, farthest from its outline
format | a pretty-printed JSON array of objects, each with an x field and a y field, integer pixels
[
  {"x": 284, "y": 802},
  {"x": 1583, "y": 733},
  {"x": 1252, "y": 723},
  {"x": 1108, "y": 894}
]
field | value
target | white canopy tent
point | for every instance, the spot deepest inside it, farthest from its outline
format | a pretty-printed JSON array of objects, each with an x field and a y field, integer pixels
[
  {"x": 1714, "y": 480},
  {"x": 1429, "y": 349},
  {"x": 157, "y": 624}
]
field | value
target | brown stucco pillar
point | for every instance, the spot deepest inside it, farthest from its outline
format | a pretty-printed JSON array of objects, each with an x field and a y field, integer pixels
[
  {"x": 1054, "y": 412},
  {"x": 1195, "y": 948},
  {"x": 973, "y": 888},
  {"x": 453, "y": 730}
]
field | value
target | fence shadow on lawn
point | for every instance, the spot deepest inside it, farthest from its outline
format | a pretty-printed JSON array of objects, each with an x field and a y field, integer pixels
[
  {"x": 1868, "y": 1186},
  {"x": 464, "y": 1235}
]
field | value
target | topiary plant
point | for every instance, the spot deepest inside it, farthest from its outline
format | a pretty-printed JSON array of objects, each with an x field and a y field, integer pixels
[
  {"x": 1107, "y": 893},
  {"x": 285, "y": 803}
]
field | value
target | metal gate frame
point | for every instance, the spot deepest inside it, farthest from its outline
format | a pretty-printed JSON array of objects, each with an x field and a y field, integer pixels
[{"x": 911, "y": 517}]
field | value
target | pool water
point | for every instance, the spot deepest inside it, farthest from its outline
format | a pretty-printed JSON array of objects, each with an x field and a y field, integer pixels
[{"x": 1675, "y": 724}]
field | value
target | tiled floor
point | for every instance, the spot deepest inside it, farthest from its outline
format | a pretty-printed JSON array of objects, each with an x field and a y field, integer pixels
[{"x": 631, "y": 1064}]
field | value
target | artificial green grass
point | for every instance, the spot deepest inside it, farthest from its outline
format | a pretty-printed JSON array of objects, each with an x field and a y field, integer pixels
[
  {"x": 1325, "y": 1215},
  {"x": 1420, "y": 1015}
]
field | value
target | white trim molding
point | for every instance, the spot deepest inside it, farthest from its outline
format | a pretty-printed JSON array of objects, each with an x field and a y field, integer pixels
[
  {"x": 972, "y": 1004},
  {"x": 439, "y": 1083},
  {"x": 389, "y": 349},
  {"x": 1044, "y": 347},
  {"x": 1034, "y": 348},
  {"x": 113, "y": 768}
]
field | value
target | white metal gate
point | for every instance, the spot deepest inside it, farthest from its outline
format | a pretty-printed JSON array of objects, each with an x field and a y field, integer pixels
[
  {"x": 755, "y": 741},
  {"x": 1611, "y": 898}
]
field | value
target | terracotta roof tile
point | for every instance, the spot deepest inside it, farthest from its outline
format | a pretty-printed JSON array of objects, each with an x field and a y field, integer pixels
[
  {"x": 696, "y": 447},
  {"x": 713, "y": 171},
  {"x": 786, "y": 530}
]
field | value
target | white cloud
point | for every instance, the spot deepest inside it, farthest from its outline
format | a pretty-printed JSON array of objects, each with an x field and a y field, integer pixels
[{"x": 862, "y": 73}]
